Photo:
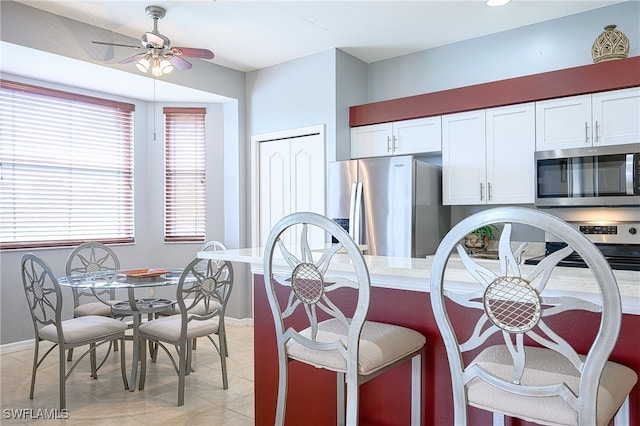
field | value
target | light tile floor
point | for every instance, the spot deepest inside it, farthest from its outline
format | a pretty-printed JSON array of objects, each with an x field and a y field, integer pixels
[{"x": 104, "y": 401}]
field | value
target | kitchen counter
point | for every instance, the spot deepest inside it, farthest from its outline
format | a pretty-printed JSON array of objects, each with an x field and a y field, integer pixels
[
  {"x": 414, "y": 275},
  {"x": 400, "y": 295}
]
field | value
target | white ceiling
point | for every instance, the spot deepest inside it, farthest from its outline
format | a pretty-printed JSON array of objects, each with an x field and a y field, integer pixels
[{"x": 249, "y": 35}]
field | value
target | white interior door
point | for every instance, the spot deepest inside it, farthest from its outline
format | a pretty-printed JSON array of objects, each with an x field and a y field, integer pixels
[
  {"x": 275, "y": 185},
  {"x": 291, "y": 178}
]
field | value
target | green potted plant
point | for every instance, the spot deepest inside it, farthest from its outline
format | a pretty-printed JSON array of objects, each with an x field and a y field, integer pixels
[{"x": 479, "y": 239}]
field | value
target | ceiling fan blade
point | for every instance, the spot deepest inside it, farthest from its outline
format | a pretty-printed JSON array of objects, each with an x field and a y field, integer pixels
[
  {"x": 116, "y": 44},
  {"x": 132, "y": 58},
  {"x": 180, "y": 63},
  {"x": 192, "y": 52}
]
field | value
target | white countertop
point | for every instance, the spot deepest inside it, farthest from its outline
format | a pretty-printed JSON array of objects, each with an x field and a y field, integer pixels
[{"x": 414, "y": 275}]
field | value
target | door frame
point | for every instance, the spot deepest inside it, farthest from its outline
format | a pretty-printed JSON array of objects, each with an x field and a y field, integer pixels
[{"x": 255, "y": 168}]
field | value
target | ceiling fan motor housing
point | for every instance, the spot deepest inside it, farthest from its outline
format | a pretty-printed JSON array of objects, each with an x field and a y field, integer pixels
[{"x": 153, "y": 39}]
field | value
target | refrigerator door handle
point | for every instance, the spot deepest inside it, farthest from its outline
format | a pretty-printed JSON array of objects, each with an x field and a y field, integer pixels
[{"x": 355, "y": 211}]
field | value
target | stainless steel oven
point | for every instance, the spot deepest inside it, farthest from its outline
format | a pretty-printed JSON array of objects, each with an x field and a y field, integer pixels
[
  {"x": 619, "y": 243},
  {"x": 602, "y": 176}
]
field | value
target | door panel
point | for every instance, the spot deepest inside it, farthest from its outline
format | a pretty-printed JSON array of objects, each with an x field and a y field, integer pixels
[{"x": 292, "y": 179}]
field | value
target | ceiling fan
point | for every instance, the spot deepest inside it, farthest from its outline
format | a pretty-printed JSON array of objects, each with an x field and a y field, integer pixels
[{"x": 160, "y": 57}]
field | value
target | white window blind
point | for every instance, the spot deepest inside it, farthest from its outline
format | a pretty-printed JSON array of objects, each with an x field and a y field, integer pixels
[
  {"x": 185, "y": 212},
  {"x": 66, "y": 168}
]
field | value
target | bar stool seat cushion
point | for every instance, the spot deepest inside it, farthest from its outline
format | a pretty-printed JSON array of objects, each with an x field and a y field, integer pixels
[
  {"x": 380, "y": 345},
  {"x": 545, "y": 366}
]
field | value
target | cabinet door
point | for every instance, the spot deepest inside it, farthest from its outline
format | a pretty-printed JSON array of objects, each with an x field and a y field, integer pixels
[
  {"x": 616, "y": 117},
  {"x": 463, "y": 158},
  {"x": 563, "y": 123},
  {"x": 416, "y": 136},
  {"x": 371, "y": 141},
  {"x": 510, "y": 159}
]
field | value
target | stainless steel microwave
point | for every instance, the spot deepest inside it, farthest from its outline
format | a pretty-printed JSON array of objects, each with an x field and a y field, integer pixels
[{"x": 599, "y": 176}]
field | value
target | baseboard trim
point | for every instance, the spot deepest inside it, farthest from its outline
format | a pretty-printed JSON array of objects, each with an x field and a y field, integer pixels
[{"x": 23, "y": 345}]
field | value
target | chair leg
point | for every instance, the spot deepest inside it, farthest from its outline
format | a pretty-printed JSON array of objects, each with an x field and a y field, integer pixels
[
  {"x": 34, "y": 368},
  {"x": 92, "y": 360},
  {"x": 416, "y": 388},
  {"x": 352, "y": 398},
  {"x": 623, "y": 415},
  {"x": 62, "y": 379},
  {"x": 182, "y": 371},
  {"x": 143, "y": 364},
  {"x": 340, "y": 398},
  {"x": 70, "y": 355},
  {"x": 282, "y": 389},
  {"x": 223, "y": 362},
  {"x": 123, "y": 366}
]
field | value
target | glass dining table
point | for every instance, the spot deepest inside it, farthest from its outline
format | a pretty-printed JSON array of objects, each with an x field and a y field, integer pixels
[{"x": 134, "y": 306}]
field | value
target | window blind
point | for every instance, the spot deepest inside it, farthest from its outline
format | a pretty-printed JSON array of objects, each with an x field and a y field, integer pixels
[
  {"x": 66, "y": 168},
  {"x": 185, "y": 180}
]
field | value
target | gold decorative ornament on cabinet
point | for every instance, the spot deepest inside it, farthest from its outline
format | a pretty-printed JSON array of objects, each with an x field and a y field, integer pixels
[{"x": 610, "y": 44}]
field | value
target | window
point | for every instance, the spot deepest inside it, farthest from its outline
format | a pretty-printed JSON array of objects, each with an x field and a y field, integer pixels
[
  {"x": 66, "y": 168},
  {"x": 184, "y": 162}
]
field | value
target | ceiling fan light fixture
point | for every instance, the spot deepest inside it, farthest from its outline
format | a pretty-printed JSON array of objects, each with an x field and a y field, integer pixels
[
  {"x": 156, "y": 69},
  {"x": 144, "y": 63},
  {"x": 165, "y": 64}
]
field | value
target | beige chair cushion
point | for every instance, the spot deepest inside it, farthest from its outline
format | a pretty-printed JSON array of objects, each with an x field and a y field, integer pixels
[
  {"x": 93, "y": 308},
  {"x": 168, "y": 328},
  {"x": 380, "y": 345},
  {"x": 79, "y": 329},
  {"x": 198, "y": 309},
  {"x": 544, "y": 367}
]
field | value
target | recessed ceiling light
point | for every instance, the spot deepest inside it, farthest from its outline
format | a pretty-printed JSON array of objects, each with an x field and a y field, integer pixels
[{"x": 495, "y": 3}]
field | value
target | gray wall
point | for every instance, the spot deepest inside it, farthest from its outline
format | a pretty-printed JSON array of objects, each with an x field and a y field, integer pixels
[
  {"x": 552, "y": 45},
  {"x": 314, "y": 90}
]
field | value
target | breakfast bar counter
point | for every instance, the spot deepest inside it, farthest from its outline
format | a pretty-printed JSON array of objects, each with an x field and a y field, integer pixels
[{"x": 400, "y": 295}]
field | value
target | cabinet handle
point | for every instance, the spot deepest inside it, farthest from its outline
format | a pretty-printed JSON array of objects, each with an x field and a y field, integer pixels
[
  {"x": 395, "y": 143},
  {"x": 388, "y": 143},
  {"x": 481, "y": 191},
  {"x": 597, "y": 135},
  {"x": 586, "y": 132},
  {"x": 489, "y": 191}
]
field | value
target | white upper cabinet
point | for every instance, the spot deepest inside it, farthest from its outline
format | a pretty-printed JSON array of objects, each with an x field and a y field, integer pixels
[
  {"x": 616, "y": 116},
  {"x": 510, "y": 154},
  {"x": 607, "y": 118},
  {"x": 487, "y": 156},
  {"x": 397, "y": 138}
]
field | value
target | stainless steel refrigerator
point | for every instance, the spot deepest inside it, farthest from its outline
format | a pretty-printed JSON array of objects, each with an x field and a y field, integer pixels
[{"x": 391, "y": 205}]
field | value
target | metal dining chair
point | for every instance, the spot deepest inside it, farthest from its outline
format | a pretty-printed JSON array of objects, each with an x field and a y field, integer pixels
[
  {"x": 90, "y": 257},
  {"x": 212, "y": 245},
  {"x": 516, "y": 360},
  {"x": 299, "y": 282},
  {"x": 202, "y": 295},
  {"x": 44, "y": 298}
]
